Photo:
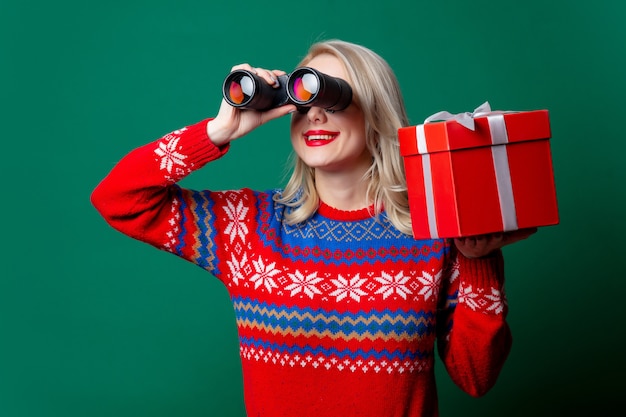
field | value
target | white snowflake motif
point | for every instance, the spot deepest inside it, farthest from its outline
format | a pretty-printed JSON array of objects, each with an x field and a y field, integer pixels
[
  {"x": 497, "y": 301},
  {"x": 237, "y": 215},
  {"x": 264, "y": 275},
  {"x": 169, "y": 155},
  {"x": 431, "y": 284},
  {"x": 236, "y": 267},
  {"x": 468, "y": 297},
  {"x": 305, "y": 284},
  {"x": 391, "y": 284},
  {"x": 349, "y": 288}
]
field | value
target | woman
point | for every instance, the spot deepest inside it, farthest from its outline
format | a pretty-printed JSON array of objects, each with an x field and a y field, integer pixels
[{"x": 338, "y": 308}]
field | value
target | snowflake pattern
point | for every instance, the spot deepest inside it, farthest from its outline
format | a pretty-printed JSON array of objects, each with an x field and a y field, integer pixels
[
  {"x": 393, "y": 284},
  {"x": 304, "y": 284},
  {"x": 477, "y": 299},
  {"x": 264, "y": 275},
  {"x": 430, "y": 284},
  {"x": 497, "y": 301},
  {"x": 236, "y": 226},
  {"x": 236, "y": 267},
  {"x": 169, "y": 154},
  {"x": 349, "y": 288},
  {"x": 468, "y": 297}
]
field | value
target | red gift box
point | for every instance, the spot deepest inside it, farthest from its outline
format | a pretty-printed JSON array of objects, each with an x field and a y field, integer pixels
[{"x": 479, "y": 173}]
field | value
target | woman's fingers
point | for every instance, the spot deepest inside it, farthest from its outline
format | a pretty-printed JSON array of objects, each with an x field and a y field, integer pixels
[
  {"x": 271, "y": 77},
  {"x": 481, "y": 245}
]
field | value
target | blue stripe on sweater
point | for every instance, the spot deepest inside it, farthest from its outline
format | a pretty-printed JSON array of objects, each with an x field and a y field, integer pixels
[
  {"x": 328, "y": 352},
  {"x": 340, "y": 242},
  {"x": 402, "y": 324}
]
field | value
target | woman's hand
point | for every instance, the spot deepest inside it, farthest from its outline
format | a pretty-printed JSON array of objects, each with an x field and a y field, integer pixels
[
  {"x": 232, "y": 123},
  {"x": 483, "y": 245}
]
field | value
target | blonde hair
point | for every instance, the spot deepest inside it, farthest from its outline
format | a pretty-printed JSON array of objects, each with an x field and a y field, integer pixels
[{"x": 377, "y": 92}]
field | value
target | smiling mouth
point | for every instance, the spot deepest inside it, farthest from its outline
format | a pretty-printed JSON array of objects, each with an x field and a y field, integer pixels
[{"x": 320, "y": 137}]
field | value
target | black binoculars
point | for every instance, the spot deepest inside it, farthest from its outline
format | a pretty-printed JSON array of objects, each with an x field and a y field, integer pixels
[{"x": 304, "y": 87}]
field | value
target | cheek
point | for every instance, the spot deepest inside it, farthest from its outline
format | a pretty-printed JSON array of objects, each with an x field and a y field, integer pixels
[
  {"x": 356, "y": 127},
  {"x": 297, "y": 121}
]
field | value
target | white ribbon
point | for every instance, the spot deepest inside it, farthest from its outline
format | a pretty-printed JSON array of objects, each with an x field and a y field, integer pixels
[
  {"x": 499, "y": 137},
  {"x": 430, "y": 201},
  {"x": 466, "y": 119}
]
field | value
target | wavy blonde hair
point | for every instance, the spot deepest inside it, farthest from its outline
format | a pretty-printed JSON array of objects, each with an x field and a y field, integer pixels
[{"x": 377, "y": 92}]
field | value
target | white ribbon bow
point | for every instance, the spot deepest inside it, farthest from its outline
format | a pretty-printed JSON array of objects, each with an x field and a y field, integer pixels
[{"x": 466, "y": 119}]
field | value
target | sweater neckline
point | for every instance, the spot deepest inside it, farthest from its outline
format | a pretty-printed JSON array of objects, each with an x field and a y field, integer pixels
[{"x": 345, "y": 215}]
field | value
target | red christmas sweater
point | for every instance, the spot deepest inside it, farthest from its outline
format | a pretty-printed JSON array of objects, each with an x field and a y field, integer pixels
[{"x": 336, "y": 317}]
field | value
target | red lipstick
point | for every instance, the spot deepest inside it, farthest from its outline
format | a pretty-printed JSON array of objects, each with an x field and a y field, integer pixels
[{"x": 319, "y": 137}]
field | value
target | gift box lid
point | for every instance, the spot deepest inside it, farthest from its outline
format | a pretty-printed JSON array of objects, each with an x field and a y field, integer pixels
[{"x": 451, "y": 135}]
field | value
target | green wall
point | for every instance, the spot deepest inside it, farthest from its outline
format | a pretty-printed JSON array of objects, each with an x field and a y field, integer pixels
[{"x": 95, "y": 324}]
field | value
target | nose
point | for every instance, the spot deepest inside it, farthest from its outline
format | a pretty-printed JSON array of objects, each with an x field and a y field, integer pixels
[{"x": 316, "y": 115}]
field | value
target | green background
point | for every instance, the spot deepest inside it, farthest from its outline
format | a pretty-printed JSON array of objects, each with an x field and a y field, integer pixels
[{"x": 95, "y": 324}]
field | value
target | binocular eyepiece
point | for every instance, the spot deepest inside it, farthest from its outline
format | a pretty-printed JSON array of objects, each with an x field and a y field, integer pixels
[{"x": 305, "y": 87}]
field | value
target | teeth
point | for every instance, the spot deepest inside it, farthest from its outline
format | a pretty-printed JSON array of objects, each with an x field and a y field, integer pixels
[{"x": 320, "y": 137}]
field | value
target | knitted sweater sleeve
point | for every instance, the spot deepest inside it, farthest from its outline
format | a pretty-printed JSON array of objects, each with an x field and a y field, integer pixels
[
  {"x": 474, "y": 339},
  {"x": 140, "y": 198}
]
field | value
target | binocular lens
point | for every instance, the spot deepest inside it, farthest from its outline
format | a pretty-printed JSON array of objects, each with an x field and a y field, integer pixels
[
  {"x": 240, "y": 89},
  {"x": 308, "y": 87},
  {"x": 247, "y": 90},
  {"x": 305, "y": 87}
]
